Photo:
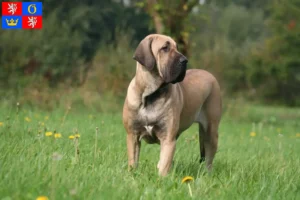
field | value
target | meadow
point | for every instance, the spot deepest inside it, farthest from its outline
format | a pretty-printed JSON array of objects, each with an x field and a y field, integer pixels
[{"x": 258, "y": 157}]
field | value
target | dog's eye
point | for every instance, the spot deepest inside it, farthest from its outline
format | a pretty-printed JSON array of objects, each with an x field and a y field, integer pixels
[{"x": 165, "y": 48}]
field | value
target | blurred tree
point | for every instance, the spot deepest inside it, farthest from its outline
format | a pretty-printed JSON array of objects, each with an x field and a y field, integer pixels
[
  {"x": 253, "y": 4},
  {"x": 72, "y": 34},
  {"x": 97, "y": 21},
  {"x": 276, "y": 65},
  {"x": 171, "y": 17},
  {"x": 230, "y": 38},
  {"x": 223, "y": 39}
]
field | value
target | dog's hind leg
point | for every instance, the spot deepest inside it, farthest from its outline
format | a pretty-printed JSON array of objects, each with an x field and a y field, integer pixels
[
  {"x": 208, "y": 119},
  {"x": 208, "y": 138},
  {"x": 210, "y": 143},
  {"x": 212, "y": 111},
  {"x": 201, "y": 142}
]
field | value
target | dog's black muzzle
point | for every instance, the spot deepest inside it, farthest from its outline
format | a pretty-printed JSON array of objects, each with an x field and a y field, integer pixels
[{"x": 182, "y": 65}]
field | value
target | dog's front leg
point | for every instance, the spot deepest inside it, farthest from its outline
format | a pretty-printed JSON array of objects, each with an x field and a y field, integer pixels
[
  {"x": 133, "y": 150},
  {"x": 167, "y": 149}
]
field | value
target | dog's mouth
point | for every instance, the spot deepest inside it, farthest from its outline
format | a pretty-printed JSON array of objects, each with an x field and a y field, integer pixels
[
  {"x": 181, "y": 74},
  {"x": 176, "y": 71}
]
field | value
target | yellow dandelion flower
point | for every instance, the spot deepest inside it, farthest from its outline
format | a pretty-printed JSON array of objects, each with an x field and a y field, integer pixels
[
  {"x": 71, "y": 137},
  {"x": 42, "y": 198},
  {"x": 187, "y": 179},
  {"x": 77, "y": 135},
  {"x": 48, "y": 134},
  {"x": 1, "y": 123},
  {"x": 252, "y": 134},
  {"x": 297, "y": 134},
  {"x": 57, "y": 135},
  {"x": 91, "y": 116},
  {"x": 27, "y": 119},
  {"x": 46, "y": 117}
]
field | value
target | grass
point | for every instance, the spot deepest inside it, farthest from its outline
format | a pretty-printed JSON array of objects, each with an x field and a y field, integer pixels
[{"x": 266, "y": 166}]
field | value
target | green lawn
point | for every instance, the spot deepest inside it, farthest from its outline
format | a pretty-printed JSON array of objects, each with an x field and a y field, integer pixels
[{"x": 266, "y": 166}]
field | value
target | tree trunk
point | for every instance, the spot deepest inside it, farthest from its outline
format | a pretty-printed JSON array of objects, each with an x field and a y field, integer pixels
[
  {"x": 155, "y": 15},
  {"x": 170, "y": 19}
]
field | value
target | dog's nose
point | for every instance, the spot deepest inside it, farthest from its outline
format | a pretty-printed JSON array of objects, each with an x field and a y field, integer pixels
[{"x": 183, "y": 60}]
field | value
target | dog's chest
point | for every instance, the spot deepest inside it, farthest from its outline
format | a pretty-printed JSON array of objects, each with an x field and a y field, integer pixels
[
  {"x": 150, "y": 115},
  {"x": 149, "y": 122},
  {"x": 153, "y": 109}
]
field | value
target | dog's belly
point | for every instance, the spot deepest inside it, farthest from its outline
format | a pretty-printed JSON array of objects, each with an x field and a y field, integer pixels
[
  {"x": 188, "y": 121},
  {"x": 195, "y": 97}
]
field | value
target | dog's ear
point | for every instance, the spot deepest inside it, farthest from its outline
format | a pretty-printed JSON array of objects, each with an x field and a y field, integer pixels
[{"x": 143, "y": 53}]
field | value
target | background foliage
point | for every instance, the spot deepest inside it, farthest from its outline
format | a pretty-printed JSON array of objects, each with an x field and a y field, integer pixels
[{"x": 83, "y": 54}]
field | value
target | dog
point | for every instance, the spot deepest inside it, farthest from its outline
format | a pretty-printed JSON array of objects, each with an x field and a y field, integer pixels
[{"x": 164, "y": 99}]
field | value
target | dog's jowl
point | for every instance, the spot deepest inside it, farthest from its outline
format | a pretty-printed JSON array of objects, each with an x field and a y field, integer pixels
[{"x": 164, "y": 99}]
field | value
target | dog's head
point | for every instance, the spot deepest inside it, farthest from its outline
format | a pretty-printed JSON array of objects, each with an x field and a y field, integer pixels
[{"x": 159, "y": 52}]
